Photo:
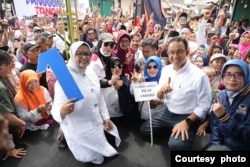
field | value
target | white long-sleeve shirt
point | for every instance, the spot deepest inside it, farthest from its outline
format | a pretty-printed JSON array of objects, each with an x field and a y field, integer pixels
[{"x": 191, "y": 90}]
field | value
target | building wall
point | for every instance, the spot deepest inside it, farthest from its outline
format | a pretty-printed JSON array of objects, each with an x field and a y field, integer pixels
[{"x": 240, "y": 12}]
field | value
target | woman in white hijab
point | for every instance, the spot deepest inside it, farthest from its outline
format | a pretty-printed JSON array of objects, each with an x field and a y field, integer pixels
[{"x": 83, "y": 122}]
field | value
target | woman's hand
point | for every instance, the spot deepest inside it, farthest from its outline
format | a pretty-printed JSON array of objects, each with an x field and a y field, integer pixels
[
  {"x": 108, "y": 125},
  {"x": 113, "y": 79},
  {"x": 218, "y": 108},
  {"x": 128, "y": 56},
  {"x": 42, "y": 108},
  {"x": 135, "y": 77},
  {"x": 67, "y": 107},
  {"x": 118, "y": 84},
  {"x": 202, "y": 129}
]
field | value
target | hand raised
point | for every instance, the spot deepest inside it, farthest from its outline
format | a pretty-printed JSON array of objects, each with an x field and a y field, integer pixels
[
  {"x": 217, "y": 107},
  {"x": 166, "y": 87}
]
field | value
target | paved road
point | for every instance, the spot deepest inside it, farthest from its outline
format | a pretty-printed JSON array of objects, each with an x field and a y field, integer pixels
[{"x": 134, "y": 151}]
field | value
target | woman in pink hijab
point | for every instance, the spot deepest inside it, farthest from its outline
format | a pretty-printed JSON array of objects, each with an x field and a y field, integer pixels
[
  {"x": 124, "y": 52},
  {"x": 244, "y": 44}
]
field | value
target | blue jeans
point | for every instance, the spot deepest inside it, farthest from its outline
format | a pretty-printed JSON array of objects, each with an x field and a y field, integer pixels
[{"x": 163, "y": 122}]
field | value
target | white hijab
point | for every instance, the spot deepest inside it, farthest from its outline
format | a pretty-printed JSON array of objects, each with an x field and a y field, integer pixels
[{"x": 72, "y": 61}]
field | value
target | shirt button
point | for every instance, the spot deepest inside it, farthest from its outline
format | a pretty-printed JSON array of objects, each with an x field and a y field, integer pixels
[
  {"x": 95, "y": 105},
  {"x": 92, "y": 90}
]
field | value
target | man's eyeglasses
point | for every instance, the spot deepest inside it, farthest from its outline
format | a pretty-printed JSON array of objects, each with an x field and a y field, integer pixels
[
  {"x": 111, "y": 44},
  {"x": 178, "y": 52},
  {"x": 120, "y": 66},
  {"x": 150, "y": 67},
  {"x": 237, "y": 75},
  {"x": 81, "y": 54}
]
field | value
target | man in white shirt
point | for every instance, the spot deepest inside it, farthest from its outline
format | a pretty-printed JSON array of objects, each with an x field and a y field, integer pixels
[
  {"x": 186, "y": 90},
  {"x": 60, "y": 37}
]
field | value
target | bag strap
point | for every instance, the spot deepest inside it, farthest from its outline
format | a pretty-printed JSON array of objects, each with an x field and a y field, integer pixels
[{"x": 63, "y": 39}]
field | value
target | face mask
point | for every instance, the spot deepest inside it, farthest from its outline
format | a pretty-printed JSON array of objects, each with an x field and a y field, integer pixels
[{"x": 104, "y": 54}]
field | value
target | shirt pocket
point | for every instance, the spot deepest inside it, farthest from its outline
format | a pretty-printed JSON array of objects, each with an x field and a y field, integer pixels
[{"x": 184, "y": 93}]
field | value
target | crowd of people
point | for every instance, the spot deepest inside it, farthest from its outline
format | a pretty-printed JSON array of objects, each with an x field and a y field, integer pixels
[{"x": 200, "y": 64}]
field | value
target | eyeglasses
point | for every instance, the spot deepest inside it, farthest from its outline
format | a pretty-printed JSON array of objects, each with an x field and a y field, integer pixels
[
  {"x": 91, "y": 33},
  {"x": 237, "y": 75},
  {"x": 178, "y": 52},
  {"x": 120, "y": 66},
  {"x": 182, "y": 19},
  {"x": 81, "y": 54},
  {"x": 150, "y": 67},
  {"x": 210, "y": 35},
  {"x": 124, "y": 41},
  {"x": 111, "y": 44}
]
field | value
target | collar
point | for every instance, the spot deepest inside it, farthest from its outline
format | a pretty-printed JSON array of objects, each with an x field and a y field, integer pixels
[{"x": 184, "y": 68}]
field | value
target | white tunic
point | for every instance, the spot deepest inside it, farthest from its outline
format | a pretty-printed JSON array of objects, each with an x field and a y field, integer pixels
[{"x": 83, "y": 128}]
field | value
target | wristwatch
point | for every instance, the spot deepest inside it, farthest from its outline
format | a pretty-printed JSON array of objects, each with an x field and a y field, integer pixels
[{"x": 189, "y": 121}]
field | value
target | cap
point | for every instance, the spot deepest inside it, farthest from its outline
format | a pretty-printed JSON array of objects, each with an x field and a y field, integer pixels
[
  {"x": 107, "y": 37},
  {"x": 5, "y": 48},
  {"x": 36, "y": 28},
  {"x": 31, "y": 24},
  {"x": 173, "y": 34},
  {"x": 168, "y": 26},
  {"x": 183, "y": 14},
  {"x": 219, "y": 55},
  {"x": 48, "y": 34},
  {"x": 213, "y": 31},
  {"x": 30, "y": 46},
  {"x": 33, "y": 15}
]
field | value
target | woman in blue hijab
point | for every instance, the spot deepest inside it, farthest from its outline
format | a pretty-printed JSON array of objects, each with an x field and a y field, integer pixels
[
  {"x": 230, "y": 114},
  {"x": 201, "y": 61},
  {"x": 152, "y": 69}
]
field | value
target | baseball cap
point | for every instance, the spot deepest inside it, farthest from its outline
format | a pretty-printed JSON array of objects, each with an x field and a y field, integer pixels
[
  {"x": 30, "y": 46},
  {"x": 183, "y": 14},
  {"x": 168, "y": 26},
  {"x": 5, "y": 48},
  {"x": 213, "y": 31},
  {"x": 218, "y": 55},
  {"x": 107, "y": 37},
  {"x": 33, "y": 15},
  {"x": 37, "y": 28},
  {"x": 48, "y": 34}
]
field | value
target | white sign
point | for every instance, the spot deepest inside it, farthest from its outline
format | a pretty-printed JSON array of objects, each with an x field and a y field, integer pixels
[
  {"x": 145, "y": 91},
  {"x": 26, "y": 8}
]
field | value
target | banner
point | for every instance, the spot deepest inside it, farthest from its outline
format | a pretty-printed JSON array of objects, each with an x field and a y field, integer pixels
[
  {"x": 145, "y": 91},
  {"x": 26, "y": 8},
  {"x": 151, "y": 6}
]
